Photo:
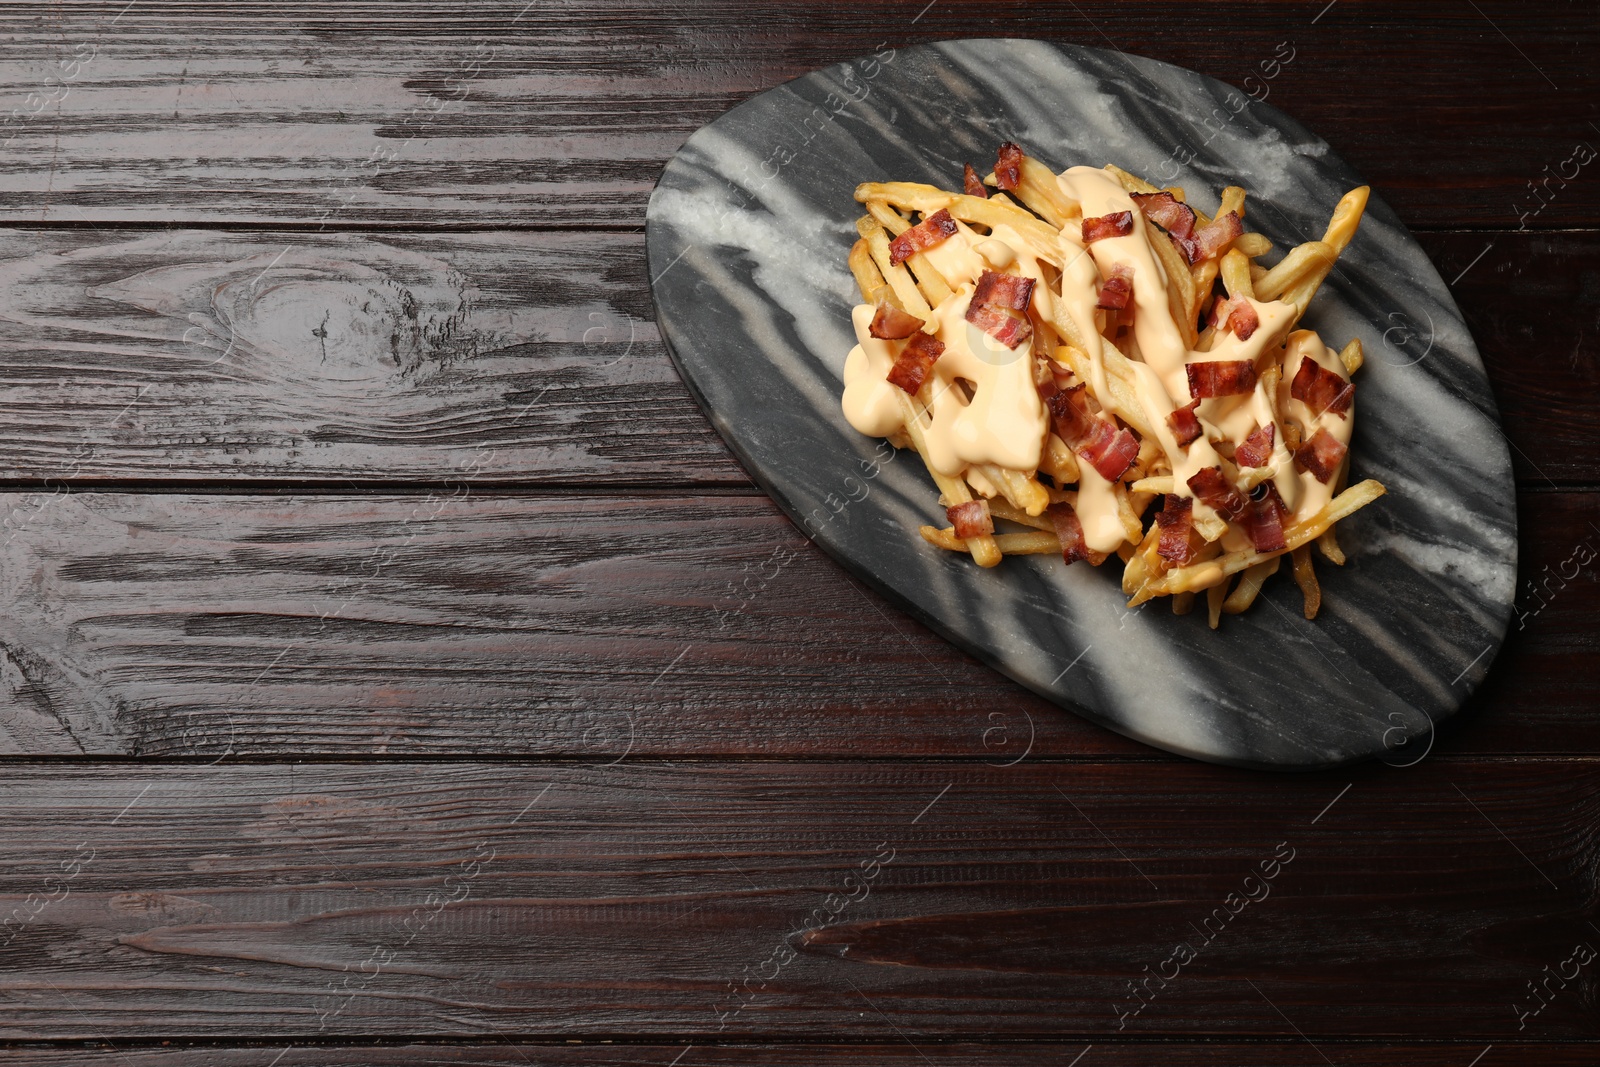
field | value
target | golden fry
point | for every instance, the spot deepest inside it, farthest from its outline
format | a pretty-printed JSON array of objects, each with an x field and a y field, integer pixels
[
  {"x": 932, "y": 284},
  {"x": 869, "y": 279},
  {"x": 1252, "y": 244},
  {"x": 1236, "y": 274},
  {"x": 899, "y": 279},
  {"x": 1216, "y": 597},
  {"x": 1124, "y": 401},
  {"x": 1301, "y": 262},
  {"x": 1025, "y": 544},
  {"x": 1203, "y": 575},
  {"x": 1041, "y": 193},
  {"x": 1250, "y": 582},
  {"x": 1306, "y": 578},
  {"x": 1352, "y": 356}
]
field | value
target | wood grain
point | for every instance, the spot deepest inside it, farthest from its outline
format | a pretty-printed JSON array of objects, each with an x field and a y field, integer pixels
[
  {"x": 452, "y": 358},
  {"x": 224, "y": 627},
  {"x": 941, "y": 900},
  {"x": 367, "y": 112},
  {"x": 520, "y": 358},
  {"x": 1103, "y": 1052}
]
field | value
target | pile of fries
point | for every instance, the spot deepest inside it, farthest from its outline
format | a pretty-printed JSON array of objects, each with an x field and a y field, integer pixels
[{"x": 1023, "y": 506}]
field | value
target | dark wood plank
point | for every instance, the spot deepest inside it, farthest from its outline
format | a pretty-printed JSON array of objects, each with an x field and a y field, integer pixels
[
  {"x": 520, "y": 358},
  {"x": 1102, "y": 1052},
  {"x": 383, "y": 112},
  {"x": 1532, "y": 302},
  {"x": 942, "y": 900},
  {"x": 1552, "y": 642},
  {"x": 218, "y": 627},
  {"x": 201, "y": 626},
  {"x": 460, "y": 357}
]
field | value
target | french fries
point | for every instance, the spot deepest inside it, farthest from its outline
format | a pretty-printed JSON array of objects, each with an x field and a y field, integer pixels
[{"x": 1038, "y": 211}]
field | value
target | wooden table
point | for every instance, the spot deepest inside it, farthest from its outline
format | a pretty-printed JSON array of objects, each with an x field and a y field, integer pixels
[{"x": 398, "y": 670}]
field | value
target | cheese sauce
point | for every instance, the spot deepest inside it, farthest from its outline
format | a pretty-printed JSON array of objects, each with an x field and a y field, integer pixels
[{"x": 985, "y": 408}]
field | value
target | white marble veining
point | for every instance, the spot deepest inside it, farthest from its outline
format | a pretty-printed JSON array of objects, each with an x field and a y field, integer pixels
[{"x": 747, "y": 236}]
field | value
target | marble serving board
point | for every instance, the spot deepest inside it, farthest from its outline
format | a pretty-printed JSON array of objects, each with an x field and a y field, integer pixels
[{"x": 748, "y": 232}]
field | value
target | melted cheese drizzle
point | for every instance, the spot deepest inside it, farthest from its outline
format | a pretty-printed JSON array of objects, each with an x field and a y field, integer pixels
[{"x": 1005, "y": 423}]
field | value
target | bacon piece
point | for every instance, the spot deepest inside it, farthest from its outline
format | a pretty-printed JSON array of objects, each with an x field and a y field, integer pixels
[
  {"x": 1070, "y": 531},
  {"x": 1166, "y": 211},
  {"x": 1003, "y": 290},
  {"x": 1321, "y": 455},
  {"x": 1213, "y": 489},
  {"x": 1007, "y": 327},
  {"x": 1220, "y": 377},
  {"x": 996, "y": 306},
  {"x": 1109, "y": 450},
  {"x": 1111, "y": 453},
  {"x": 915, "y": 360},
  {"x": 1176, "y": 519},
  {"x": 1049, "y": 377},
  {"x": 1008, "y": 167},
  {"x": 1071, "y": 415},
  {"x": 972, "y": 183},
  {"x": 971, "y": 519},
  {"x": 1236, "y": 314},
  {"x": 1263, "y": 519},
  {"x": 1256, "y": 450},
  {"x": 1115, "y": 290},
  {"x": 1320, "y": 389},
  {"x": 892, "y": 324},
  {"x": 1118, "y": 224},
  {"x": 921, "y": 237},
  {"x": 1210, "y": 239},
  {"x": 1185, "y": 425}
]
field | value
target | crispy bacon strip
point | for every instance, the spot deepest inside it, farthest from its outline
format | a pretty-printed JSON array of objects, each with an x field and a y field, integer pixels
[
  {"x": 915, "y": 361},
  {"x": 1049, "y": 377},
  {"x": 1321, "y": 455},
  {"x": 971, "y": 519},
  {"x": 1109, "y": 450},
  {"x": 971, "y": 183},
  {"x": 1264, "y": 518},
  {"x": 1185, "y": 424},
  {"x": 1011, "y": 291},
  {"x": 1209, "y": 240},
  {"x": 1070, "y": 415},
  {"x": 1008, "y": 167},
  {"x": 892, "y": 324},
  {"x": 921, "y": 237},
  {"x": 1213, "y": 489},
  {"x": 1166, "y": 211},
  {"x": 1007, "y": 327},
  {"x": 1256, "y": 450},
  {"x": 1070, "y": 531},
  {"x": 1115, "y": 290},
  {"x": 1320, "y": 389},
  {"x": 1236, "y": 314},
  {"x": 1221, "y": 377},
  {"x": 997, "y": 307},
  {"x": 1118, "y": 224},
  {"x": 1111, "y": 453},
  {"x": 1176, "y": 519}
]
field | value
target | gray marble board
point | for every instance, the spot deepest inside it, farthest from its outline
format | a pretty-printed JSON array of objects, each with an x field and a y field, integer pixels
[{"x": 748, "y": 230}]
